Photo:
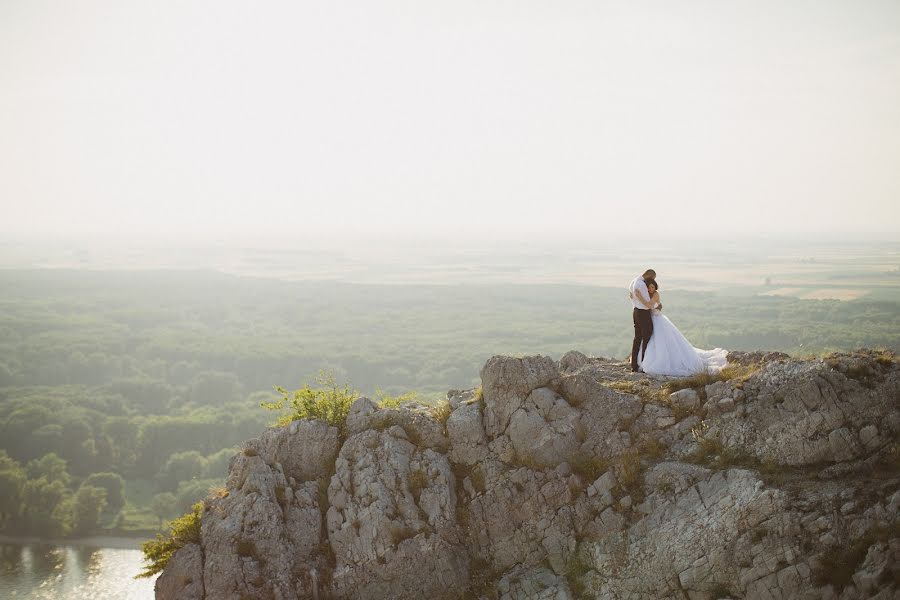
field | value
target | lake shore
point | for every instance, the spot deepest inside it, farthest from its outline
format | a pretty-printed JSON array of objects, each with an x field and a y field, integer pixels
[{"x": 94, "y": 541}]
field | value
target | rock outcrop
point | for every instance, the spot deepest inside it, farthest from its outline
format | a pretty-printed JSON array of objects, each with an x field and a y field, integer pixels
[{"x": 574, "y": 479}]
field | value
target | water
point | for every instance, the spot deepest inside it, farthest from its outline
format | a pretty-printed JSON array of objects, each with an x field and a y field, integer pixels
[{"x": 43, "y": 571}]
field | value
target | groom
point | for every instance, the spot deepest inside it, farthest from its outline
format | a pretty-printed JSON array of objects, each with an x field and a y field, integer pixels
[{"x": 643, "y": 323}]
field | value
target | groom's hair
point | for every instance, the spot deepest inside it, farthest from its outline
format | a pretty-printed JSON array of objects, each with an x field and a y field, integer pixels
[{"x": 650, "y": 273}]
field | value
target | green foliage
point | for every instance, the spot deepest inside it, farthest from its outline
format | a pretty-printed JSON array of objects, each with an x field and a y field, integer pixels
[
  {"x": 182, "y": 531},
  {"x": 214, "y": 387},
  {"x": 385, "y": 400},
  {"x": 329, "y": 402},
  {"x": 45, "y": 508},
  {"x": 163, "y": 506},
  {"x": 12, "y": 482},
  {"x": 217, "y": 463},
  {"x": 193, "y": 491},
  {"x": 87, "y": 506},
  {"x": 181, "y": 466},
  {"x": 50, "y": 467},
  {"x": 114, "y": 486}
]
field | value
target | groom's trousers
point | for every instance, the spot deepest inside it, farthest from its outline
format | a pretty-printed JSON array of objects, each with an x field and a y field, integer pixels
[{"x": 643, "y": 329}]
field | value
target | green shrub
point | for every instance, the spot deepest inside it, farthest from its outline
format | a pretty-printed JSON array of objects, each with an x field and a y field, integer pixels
[
  {"x": 329, "y": 402},
  {"x": 182, "y": 531},
  {"x": 385, "y": 400}
]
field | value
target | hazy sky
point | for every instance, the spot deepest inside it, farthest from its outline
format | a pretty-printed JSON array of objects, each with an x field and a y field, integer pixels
[{"x": 512, "y": 118}]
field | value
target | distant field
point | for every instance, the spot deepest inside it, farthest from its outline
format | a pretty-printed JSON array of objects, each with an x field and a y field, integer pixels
[
  {"x": 819, "y": 293},
  {"x": 814, "y": 269},
  {"x": 79, "y": 326}
]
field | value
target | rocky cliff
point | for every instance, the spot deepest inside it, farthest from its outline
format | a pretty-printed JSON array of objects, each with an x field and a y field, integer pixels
[{"x": 574, "y": 479}]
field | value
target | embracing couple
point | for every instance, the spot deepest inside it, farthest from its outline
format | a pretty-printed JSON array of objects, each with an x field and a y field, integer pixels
[{"x": 658, "y": 347}]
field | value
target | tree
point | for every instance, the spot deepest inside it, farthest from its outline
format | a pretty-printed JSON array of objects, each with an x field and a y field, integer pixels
[
  {"x": 214, "y": 387},
  {"x": 217, "y": 464},
  {"x": 193, "y": 491},
  {"x": 44, "y": 507},
  {"x": 12, "y": 481},
  {"x": 181, "y": 466},
  {"x": 50, "y": 466},
  {"x": 87, "y": 506},
  {"x": 163, "y": 506},
  {"x": 148, "y": 395},
  {"x": 114, "y": 486},
  {"x": 182, "y": 531},
  {"x": 123, "y": 436}
]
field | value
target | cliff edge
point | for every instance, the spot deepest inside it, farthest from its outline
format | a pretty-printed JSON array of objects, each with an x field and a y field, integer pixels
[{"x": 574, "y": 479}]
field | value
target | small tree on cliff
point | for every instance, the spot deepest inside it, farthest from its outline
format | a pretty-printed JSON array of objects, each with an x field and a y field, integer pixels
[
  {"x": 328, "y": 402},
  {"x": 182, "y": 531}
]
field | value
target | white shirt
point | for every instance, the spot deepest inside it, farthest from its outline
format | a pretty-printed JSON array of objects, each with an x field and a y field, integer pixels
[{"x": 639, "y": 287}]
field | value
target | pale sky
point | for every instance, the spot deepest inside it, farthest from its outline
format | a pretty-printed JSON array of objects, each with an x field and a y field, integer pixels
[{"x": 494, "y": 118}]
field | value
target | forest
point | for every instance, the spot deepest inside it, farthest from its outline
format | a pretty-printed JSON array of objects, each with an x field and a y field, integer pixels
[{"x": 124, "y": 393}]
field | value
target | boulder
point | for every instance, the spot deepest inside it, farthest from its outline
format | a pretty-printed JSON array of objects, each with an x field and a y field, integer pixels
[
  {"x": 184, "y": 581},
  {"x": 506, "y": 382}
]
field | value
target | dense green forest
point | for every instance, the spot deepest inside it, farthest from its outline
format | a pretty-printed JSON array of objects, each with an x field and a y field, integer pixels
[{"x": 122, "y": 394}]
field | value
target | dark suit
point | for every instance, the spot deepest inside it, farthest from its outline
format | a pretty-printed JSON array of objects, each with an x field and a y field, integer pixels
[{"x": 643, "y": 329}]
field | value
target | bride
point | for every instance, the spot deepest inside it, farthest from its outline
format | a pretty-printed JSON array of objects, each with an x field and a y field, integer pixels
[{"x": 669, "y": 352}]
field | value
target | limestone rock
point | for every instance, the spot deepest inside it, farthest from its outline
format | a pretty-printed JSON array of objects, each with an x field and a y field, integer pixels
[
  {"x": 506, "y": 382},
  {"x": 184, "y": 581},
  {"x": 686, "y": 399},
  {"x": 262, "y": 538},
  {"x": 558, "y": 482},
  {"x": 469, "y": 444},
  {"x": 420, "y": 427},
  {"x": 544, "y": 430},
  {"x": 572, "y": 361},
  {"x": 523, "y": 517},
  {"x": 392, "y": 520},
  {"x": 305, "y": 449},
  {"x": 534, "y": 584}
]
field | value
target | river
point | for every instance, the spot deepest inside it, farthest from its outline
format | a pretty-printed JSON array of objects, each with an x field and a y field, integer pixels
[{"x": 92, "y": 569}]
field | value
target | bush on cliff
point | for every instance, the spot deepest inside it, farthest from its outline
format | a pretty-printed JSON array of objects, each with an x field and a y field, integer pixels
[
  {"x": 182, "y": 531},
  {"x": 329, "y": 402}
]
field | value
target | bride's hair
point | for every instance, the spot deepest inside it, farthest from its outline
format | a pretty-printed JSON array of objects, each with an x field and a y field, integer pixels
[{"x": 652, "y": 282}]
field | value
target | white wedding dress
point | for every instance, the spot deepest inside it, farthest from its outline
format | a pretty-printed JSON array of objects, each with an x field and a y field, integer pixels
[{"x": 669, "y": 352}]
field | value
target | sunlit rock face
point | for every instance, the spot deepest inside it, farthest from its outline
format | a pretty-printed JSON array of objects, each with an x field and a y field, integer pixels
[{"x": 574, "y": 479}]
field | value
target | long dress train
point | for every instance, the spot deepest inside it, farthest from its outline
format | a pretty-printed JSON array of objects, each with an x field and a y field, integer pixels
[{"x": 669, "y": 352}]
